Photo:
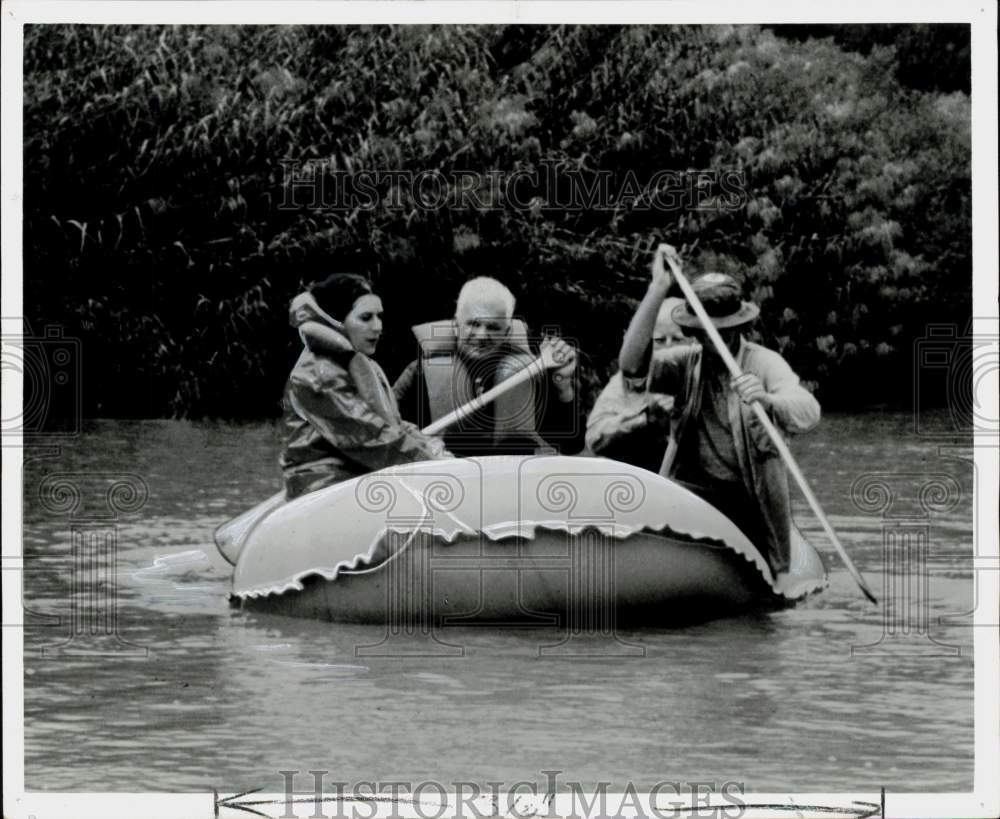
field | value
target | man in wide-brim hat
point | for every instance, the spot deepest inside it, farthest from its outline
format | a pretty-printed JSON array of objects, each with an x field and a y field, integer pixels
[{"x": 718, "y": 448}]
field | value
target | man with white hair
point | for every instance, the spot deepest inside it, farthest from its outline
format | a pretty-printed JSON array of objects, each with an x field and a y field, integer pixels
[
  {"x": 481, "y": 346},
  {"x": 627, "y": 423}
]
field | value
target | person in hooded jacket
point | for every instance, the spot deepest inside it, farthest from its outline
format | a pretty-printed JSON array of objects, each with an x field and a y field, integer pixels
[{"x": 340, "y": 411}]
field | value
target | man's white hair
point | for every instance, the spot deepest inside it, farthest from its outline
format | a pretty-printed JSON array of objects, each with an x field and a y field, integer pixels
[{"x": 483, "y": 287}]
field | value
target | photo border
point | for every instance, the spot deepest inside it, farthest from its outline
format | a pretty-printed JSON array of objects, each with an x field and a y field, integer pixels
[{"x": 983, "y": 800}]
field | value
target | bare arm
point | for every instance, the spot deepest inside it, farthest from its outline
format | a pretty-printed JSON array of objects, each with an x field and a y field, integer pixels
[{"x": 640, "y": 331}]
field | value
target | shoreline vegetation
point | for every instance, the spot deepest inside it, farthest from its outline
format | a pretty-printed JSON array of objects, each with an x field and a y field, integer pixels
[{"x": 181, "y": 185}]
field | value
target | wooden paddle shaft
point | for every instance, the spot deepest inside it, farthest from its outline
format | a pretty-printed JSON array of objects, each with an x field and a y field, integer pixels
[
  {"x": 772, "y": 431},
  {"x": 332, "y": 340},
  {"x": 536, "y": 367},
  {"x": 229, "y": 535}
]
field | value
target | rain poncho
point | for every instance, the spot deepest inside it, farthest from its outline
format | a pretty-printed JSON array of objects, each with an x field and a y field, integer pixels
[{"x": 342, "y": 417}]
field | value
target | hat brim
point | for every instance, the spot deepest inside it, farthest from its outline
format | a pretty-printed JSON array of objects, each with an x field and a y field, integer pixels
[{"x": 748, "y": 312}]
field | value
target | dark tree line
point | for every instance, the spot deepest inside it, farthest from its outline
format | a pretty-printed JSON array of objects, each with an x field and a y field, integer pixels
[{"x": 156, "y": 164}]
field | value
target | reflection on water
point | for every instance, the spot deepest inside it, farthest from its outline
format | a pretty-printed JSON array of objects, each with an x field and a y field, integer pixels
[{"x": 197, "y": 695}]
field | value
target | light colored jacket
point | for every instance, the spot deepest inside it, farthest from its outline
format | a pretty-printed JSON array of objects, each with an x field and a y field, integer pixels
[
  {"x": 677, "y": 371},
  {"x": 622, "y": 426}
]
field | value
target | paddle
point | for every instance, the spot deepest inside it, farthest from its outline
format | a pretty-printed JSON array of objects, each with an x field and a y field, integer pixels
[
  {"x": 765, "y": 420},
  {"x": 229, "y": 537},
  {"x": 544, "y": 362}
]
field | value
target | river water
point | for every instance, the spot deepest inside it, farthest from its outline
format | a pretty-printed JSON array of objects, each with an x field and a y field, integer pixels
[{"x": 192, "y": 694}]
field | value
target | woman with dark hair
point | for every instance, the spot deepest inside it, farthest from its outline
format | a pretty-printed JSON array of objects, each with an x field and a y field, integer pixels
[{"x": 341, "y": 413}]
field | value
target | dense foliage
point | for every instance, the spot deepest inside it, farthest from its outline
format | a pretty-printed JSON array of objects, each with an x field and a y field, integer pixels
[
  {"x": 928, "y": 57},
  {"x": 154, "y": 181}
]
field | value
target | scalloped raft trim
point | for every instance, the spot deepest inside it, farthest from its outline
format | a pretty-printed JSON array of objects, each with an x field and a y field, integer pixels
[
  {"x": 374, "y": 558},
  {"x": 790, "y": 586}
]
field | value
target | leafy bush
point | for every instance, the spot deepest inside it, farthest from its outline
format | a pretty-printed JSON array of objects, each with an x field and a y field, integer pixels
[
  {"x": 929, "y": 57},
  {"x": 156, "y": 160}
]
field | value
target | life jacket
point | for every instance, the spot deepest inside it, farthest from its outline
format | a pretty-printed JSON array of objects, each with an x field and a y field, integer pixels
[
  {"x": 450, "y": 379},
  {"x": 321, "y": 333}
]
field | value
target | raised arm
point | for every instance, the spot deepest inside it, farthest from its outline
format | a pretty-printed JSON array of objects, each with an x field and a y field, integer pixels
[{"x": 632, "y": 358}]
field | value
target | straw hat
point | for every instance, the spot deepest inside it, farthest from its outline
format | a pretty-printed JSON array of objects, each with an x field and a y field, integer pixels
[{"x": 722, "y": 298}]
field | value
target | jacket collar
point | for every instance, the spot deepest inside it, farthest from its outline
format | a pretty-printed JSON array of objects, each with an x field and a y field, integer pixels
[{"x": 318, "y": 330}]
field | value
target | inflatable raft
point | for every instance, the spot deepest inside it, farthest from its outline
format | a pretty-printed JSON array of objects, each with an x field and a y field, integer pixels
[{"x": 509, "y": 540}]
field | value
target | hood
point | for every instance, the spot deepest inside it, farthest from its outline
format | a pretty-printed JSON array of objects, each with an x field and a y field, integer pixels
[{"x": 319, "y": 331}]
